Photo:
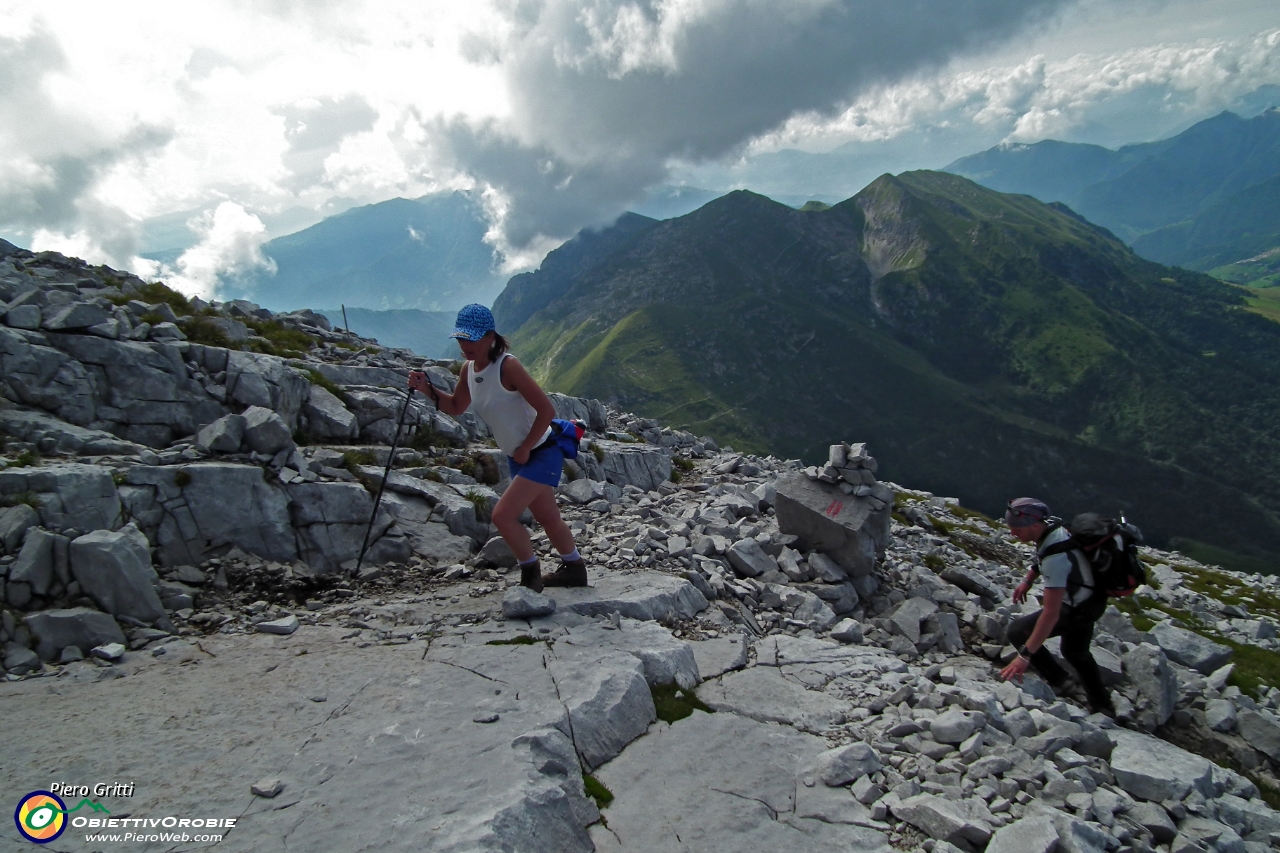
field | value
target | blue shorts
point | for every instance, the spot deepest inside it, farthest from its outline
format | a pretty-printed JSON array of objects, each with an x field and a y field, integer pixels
[{"x": 545, "y": 466}]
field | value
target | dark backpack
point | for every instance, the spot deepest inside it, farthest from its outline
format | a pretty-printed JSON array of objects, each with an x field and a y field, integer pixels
[{"x": 1112, "y": 549}]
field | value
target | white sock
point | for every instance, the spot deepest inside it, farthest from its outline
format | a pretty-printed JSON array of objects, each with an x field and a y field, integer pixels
[{"x": 571, "y": 556}]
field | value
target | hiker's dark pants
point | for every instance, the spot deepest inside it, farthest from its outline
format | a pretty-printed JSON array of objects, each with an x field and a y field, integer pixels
[{"x": 1075, "y": 627}]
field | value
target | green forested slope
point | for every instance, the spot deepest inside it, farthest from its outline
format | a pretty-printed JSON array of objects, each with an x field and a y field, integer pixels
[{"x": 987, "y": 344}]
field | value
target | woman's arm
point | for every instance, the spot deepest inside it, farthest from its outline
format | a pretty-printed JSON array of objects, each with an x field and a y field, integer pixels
[
  {"x": 451, "y": 404},
  {"x": 516, "y": 378}
]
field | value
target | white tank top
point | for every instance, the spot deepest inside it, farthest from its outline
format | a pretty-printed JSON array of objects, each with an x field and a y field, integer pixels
[{"x": 508, "y": 415}]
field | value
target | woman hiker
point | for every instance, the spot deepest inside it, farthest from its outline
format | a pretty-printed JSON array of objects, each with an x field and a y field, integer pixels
[{"x": 519, "y": 415}]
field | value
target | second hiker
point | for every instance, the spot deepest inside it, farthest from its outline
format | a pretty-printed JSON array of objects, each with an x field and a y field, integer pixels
[
  {"x": 519, "y": 414},
  {"x": 1072, "y": 602}
]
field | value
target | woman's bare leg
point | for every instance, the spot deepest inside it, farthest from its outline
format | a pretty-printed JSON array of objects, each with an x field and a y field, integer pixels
[
  {"x": 547, "y": 513},
  {"x": 506, "y": 515}
]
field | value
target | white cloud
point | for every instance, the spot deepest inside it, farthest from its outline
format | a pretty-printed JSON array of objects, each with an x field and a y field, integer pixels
[{"x": 230, "y": 245}]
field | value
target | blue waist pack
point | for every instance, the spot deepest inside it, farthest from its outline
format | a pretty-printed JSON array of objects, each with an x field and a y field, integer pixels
[{"x": 568, "y": 434}]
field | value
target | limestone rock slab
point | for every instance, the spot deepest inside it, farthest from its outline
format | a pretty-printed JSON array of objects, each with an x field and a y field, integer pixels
[
  {"x": 1151, "y": 769},
  {"x": 643, "y": 595},
  {"x": 719, "y": 655},
  {"x": 762, "y": 693},
  {"x": 720, "y": 783}
]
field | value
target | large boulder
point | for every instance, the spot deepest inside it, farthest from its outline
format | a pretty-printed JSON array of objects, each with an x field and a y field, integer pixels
[
  {"x": 590, "y": 412},
  {"x": 749, "y": 559},
  {"x": 849, "y": 529},
  {"x": 142, "y": 391},
  {"x": 641, "y": 465},
  {"x": 1151, "y": 769},
  {"x": 76, "y": 315},
  {"x": 265, "y": 431},
  {"x": 36, "y": 374},
  {"x": 15, "y": 521},
  {"x": 223, "y": 435},
  {"x": 1148, "y": 670},
  {"x": 1028, "y": 835},
  {"x": 1261, "y": 731},
  {"x": 114, "y": 569},
  {"x": 326, "y": 417},
  {"x": 266, "y": 381},
  {"x": 81, "y": 627},
  {"x": 34, "y": 566},
  {"x": 1190, "y": 649}
]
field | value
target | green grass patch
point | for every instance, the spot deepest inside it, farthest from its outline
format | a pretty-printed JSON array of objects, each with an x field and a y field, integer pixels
[
  {"x": 598, "y": 452},
  {"x": 318, "y": 378},
  {"x": 675, "y": 703},
  {"x": 522, "y": 640},
  {"x": 155, "y": 291},
  {"x": 353, "y": 459},
  {"x": 28, "y": 498},
  {"x": 25, "y": 459},
  {"x": 679, "y": 467},
  {"x": 480, "y": 502},
  {"x": 1231, "y": 590},
  {"x": 570, "y": 473},
  {"x": 935, "y": 562},
  {"x": 199, "y": 329},
  {"x": 182, "y": 478},
  {"x": 276, "y": 339},
  {"x": 597, "y": 791}
]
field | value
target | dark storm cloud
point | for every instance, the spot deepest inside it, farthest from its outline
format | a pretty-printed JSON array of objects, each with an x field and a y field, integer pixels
[{"x": 606, "y": 93}]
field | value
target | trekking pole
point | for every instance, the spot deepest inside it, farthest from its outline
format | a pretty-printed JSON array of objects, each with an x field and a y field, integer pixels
[{"x": 377, "y": 498}]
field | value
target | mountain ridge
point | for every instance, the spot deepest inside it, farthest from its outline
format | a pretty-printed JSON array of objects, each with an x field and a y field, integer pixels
[{"x": 1034, "y": 334}]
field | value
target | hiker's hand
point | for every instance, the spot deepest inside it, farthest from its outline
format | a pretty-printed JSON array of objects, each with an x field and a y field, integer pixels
[
  {"x": 521, "y": 455},
  {"x": 418, "y": 381},
  {"x": 1020, "y": 593},
  {"x": 1015, "y": 669}
]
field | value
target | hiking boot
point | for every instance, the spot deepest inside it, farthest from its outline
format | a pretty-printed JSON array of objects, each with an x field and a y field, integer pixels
[
  {"x": 531, "y": 576},
  {"x": 569, "y": 574},
  {"x": 1102, "y": 705}
]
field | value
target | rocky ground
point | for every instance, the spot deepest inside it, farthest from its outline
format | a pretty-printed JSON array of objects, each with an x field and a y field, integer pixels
[{"x": 768, "y": 657}]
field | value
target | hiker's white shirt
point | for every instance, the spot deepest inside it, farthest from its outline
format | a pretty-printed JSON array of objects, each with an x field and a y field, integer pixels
[
  {"x": 1069, "y": 570},
  {"x": 507, "y": 414}
]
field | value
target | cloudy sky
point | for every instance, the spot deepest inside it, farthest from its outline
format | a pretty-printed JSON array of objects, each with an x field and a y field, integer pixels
[{"x": 211, "y": 126}]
